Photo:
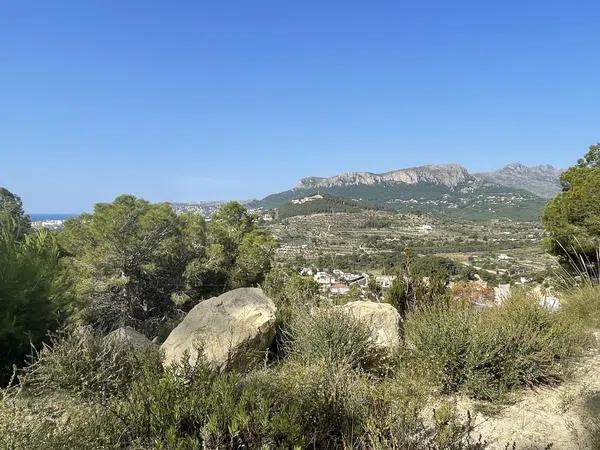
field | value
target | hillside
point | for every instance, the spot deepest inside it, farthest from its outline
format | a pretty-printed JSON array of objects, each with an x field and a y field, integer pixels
[
  {"x": 322, "y": 204},
  {"x": 472, "y": 199}
]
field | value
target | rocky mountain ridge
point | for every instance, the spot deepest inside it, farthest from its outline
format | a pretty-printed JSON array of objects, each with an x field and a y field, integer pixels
[
  {"x": 541, "y": 180},
  {"x": 450, "y": 175}
]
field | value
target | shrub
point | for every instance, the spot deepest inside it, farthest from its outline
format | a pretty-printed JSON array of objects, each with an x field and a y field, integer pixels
[
  {"x": 194, "y": 407},
  {"x": 329, "y": 334},
  {"x": 438, "y": 337},
  {"x": 289, "y": 291},
  {"x": 519, "y": 344},
  {"x": 582, "y": 303},
  {"x": 417, "y": 285},
  {"x": 34, "y": 294},
  {"x": 319, "y": 404},
  {"x": 332, "y": 396},
  {"x": 55, "y": 423},
  {"x": 488, "y": 353},
  {"x": 85, "y": 365},
  {"x": 342, "y": 407}
]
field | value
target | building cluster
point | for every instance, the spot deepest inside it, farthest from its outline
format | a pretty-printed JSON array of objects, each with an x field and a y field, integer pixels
[
  {"x": 50, "y": 224},
  {"x": 479, "y": 292},
  {"x": 339, "y": 282},
  {"x": 300, "y": 201}
]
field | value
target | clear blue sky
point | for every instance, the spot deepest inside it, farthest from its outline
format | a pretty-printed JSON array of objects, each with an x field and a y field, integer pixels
[{"x": 203, "y": 100}]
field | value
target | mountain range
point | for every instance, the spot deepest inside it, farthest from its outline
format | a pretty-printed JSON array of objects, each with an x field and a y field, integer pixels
[
  {"x": 542, "y": 180},
  {"x": 515, "y": 191}
]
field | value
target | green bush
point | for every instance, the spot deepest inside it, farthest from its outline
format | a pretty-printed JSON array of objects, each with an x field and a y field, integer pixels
[
  {"x": 333, "y": 398},
  {"x": 85, "y": 365},
  {"x": 330, "y": 334},
  {"x": 289, "y": 291},
  {"x": 56, "y": 423},
  {"x": 491, "y": 352},
  {"x": 572, "y": 218},
  {"x": 418, "y": 282},
  {"x": 583, "y": 304},
  {"x": 78, "y": 395},
  {"x": 195, "y": 407},
  {"x": 34, "y": 295},
  {"x": 135, "y": 263},
  {"x": 342, "y": 407}
]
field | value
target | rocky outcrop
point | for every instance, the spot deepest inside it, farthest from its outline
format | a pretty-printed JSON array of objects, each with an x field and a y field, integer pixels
[
  {"x": 128, "y": 336},
  {"x": 382, "y": 319},
  {"x": 449, "y": 175},
  {"x": 233, "y": 330},
  {"x": 543, "y": 180}
]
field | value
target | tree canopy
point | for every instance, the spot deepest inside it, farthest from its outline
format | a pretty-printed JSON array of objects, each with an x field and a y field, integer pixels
[
  {"x": 572, "y": 218},
  {"x": 135, "y": 262},
  {"x": 12, "y": 215},
  {"x": 34, "y": 294}
]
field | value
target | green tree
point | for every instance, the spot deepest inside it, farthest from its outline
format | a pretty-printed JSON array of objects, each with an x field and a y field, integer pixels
[
  {"x": 137, "y": 263},
  {"x": 129, "y": 257},
  {"x": 12, "y": 215},
  {"x": 572, "y": 218},
  {"x": 288, "y": 289},
  {"x": 35, "y": 295},
  {"x": 245, "y": 250},
  {"x": 374, "y": 289},
  {"x": 415, "y": 286}
]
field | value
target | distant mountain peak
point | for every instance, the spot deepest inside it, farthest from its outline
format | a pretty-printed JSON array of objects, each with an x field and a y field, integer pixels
[
  {"x": 542, "y": 180},
  {"x": 450, "y": 175}
]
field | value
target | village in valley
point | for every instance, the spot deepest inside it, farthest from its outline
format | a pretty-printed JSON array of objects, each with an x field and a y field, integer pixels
[{"x": 337, "y": 283}]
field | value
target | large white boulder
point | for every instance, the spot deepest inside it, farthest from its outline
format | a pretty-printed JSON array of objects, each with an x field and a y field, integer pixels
[
  {"x": 382, "y": 319},
  {"x": 233, "y": 330}
]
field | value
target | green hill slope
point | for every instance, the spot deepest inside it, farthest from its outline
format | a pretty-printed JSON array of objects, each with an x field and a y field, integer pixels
[
  {"x": 475, "y": 200},
  {"x": 325, "y": 204}
]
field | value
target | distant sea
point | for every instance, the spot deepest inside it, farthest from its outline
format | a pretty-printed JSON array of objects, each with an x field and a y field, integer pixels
[{"x": 50, "y": 216}]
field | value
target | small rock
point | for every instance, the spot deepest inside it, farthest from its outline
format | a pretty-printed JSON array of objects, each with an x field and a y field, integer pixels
[{"x": 128, "y": 336}]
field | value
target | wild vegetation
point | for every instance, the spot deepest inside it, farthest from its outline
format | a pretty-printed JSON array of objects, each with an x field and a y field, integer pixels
[
  {"x": 325, "y": 382},
  {"x": 34, "y": 291},
  {"x": 136, "y": 263},
  {"x": 573, "y": 216}
]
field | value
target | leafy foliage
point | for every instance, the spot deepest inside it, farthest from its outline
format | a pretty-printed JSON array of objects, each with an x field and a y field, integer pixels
[
  {"x": 136, "y": 262},
  {"x": 313, "y": 404},
  {"x": 417, "y": 285},
  {"x": 86, "y": 365},
  {"x": 573, "y": 217},
  {"x": 330, "y": 334},
  {"x": 583, "y": 304},
  {"x": 12, "y": 215},
  {"x": 34, "y": 294},
  {"x": 488, "y": 353}
]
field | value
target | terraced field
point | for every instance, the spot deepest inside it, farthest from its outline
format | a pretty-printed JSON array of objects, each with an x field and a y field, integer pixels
[{"x": 374, "y": 241}]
